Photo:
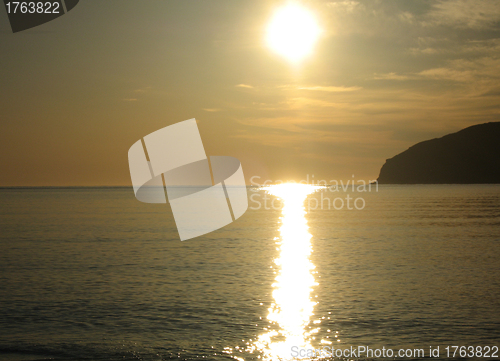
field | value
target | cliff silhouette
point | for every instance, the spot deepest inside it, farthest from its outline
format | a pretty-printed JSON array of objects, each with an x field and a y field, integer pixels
[{"x": 470, "y": 156}]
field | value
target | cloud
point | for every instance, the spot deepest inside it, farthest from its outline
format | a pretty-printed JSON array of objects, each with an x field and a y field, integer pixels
[
  {"x": 390, "y": 76},
  {"x": 142, "y": 90},
  {"x": 489, "y": 46},
  {"x": 406, "y": 17},
  {"x": 415, "y": 51},
  {"x": 475, "y": 76},
  {"x": 332, "y": 88},
  {"x": 137, "y": 93},
  {"x": 244, "y": 86},
  {"x": 448, "y": 74},
  {"x": 456, "y": 47},
  {"x": 485, "y": 69},
  {"x": 346, "y": 5},
  {"x": 471, "y": 14},
  {"x": 303, "y": 102}
]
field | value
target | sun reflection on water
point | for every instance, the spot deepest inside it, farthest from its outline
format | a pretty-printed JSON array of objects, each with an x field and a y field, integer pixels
[{"x": 291, "y": 311}]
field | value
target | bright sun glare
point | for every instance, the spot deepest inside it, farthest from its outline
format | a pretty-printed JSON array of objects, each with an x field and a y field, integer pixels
[{"x": 292, "y": 32}]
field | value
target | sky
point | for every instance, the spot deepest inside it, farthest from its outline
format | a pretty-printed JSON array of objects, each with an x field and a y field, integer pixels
[{"x": 77, "y": 92}]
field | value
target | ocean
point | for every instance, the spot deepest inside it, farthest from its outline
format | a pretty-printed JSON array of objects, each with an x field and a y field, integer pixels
[{"x": 94, "y": 274}]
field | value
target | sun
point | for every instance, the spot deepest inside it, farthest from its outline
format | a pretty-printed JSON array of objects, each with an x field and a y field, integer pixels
[{"x": 293, "y": 32}]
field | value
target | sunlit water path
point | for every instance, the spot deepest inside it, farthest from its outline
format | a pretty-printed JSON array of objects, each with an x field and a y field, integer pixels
[{"x": 293, "y": 302}]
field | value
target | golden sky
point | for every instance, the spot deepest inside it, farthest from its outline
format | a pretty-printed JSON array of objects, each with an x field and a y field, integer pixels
[{"x": 77, "y": 92}]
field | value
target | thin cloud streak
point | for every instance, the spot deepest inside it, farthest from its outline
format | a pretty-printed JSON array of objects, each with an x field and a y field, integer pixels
[
  {"x": 244, "y": 86},
  {"x": 332, "y": 89}
]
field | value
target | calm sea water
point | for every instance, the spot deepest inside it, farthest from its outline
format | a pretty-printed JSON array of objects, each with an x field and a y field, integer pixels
[{"x": 93, "y": 274}]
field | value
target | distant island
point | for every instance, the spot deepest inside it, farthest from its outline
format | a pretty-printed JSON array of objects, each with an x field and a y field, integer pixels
[{"x": 470, "y": 156}]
